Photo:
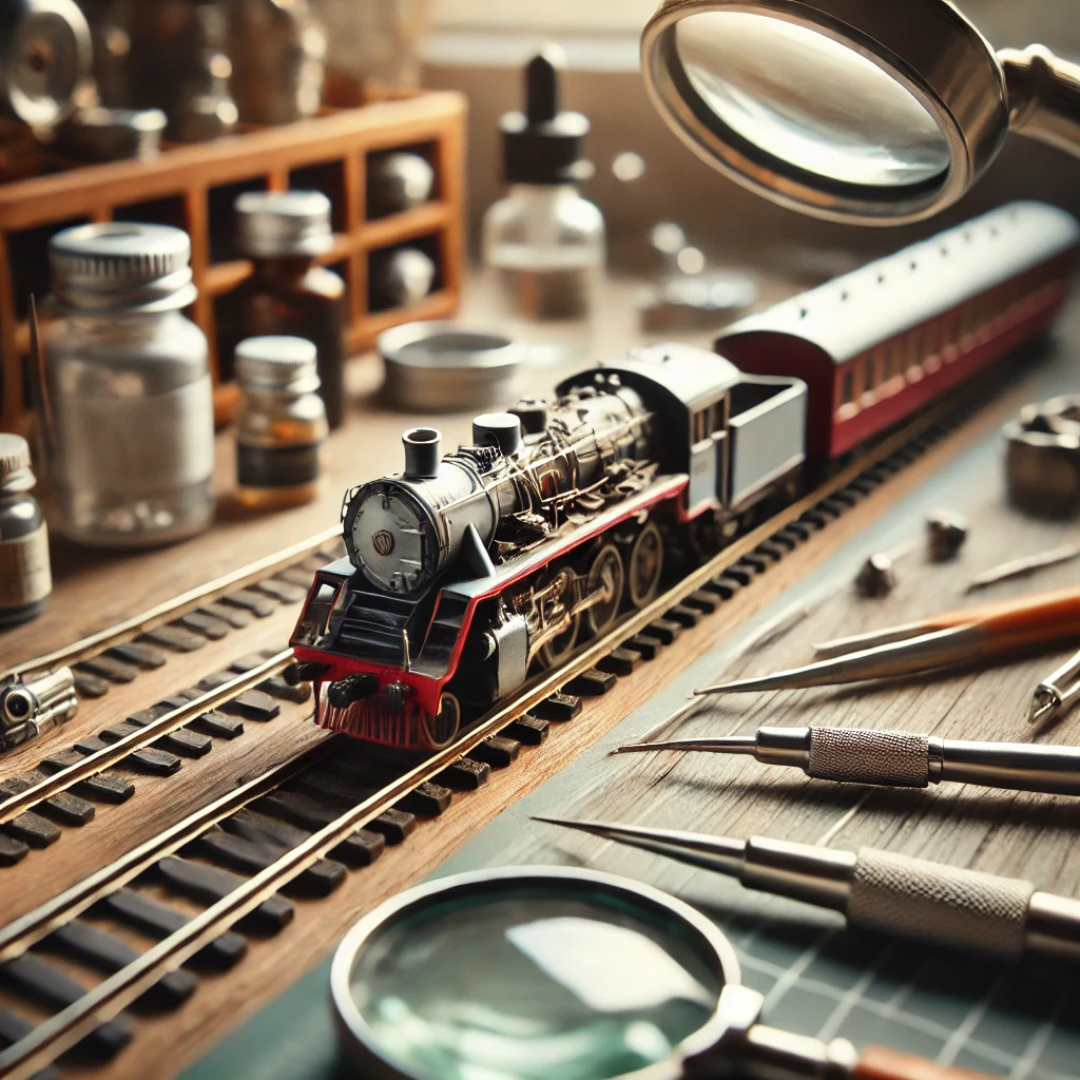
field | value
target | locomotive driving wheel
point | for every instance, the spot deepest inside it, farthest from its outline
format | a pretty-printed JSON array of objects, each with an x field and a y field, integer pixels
[
  {"x": 442, "y": 728},
  {"x": 646, "y": 564},
  {"x": 557, "y": 648},
  {"x": 606, "y": 578}
]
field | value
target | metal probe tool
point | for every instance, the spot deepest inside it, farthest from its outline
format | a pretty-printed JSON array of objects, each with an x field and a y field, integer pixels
[
  {"x": 1057, "y": 693},
  {"x": 955, "y": 638},
  {"x": 878, "y": 890},
  {"x": 896, "y": 758}
]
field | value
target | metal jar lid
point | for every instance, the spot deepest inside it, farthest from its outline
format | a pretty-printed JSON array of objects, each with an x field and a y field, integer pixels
[
  {"x": 441, "y": 367},
  {"x": 277, "y": 362},
  {"x": 45, "y": 56},
  {"x": 15, "y": 474},
  {"x": 277, "y": 224},
  {"x": 117, "y": 266}
]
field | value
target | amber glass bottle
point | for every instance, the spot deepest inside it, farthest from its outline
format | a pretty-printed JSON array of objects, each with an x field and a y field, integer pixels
[
  {"x": 281, "y": 423},
  {"x": 287, "y": 294}
]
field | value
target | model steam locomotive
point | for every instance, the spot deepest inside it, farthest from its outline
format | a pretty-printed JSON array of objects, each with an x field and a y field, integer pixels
[{"x": 467, "y": 572}]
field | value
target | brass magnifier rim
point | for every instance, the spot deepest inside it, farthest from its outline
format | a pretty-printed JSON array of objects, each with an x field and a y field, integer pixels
[
  {"x": 361, "y": 1043},
  {"x": 926, "y": 46}
]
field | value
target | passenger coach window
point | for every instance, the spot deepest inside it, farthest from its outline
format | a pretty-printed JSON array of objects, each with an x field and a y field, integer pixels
[
  {"x": 869, "y": 382},
  {"x": 847, "y": 388}
]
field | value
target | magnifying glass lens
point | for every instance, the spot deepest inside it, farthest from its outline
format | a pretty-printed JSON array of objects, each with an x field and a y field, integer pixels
[
  {"x": 532, "y": 984},
  {"x": 808, "y": 101}
]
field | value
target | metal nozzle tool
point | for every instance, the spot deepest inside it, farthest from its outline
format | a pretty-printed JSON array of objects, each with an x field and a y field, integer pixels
[
  {"x": 878, "y": 890},
  {"x": 33, "y": 704},
  {"x": 896, "y": 758}
]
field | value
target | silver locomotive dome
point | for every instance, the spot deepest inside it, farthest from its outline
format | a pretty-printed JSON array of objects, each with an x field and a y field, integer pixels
[{"x": 391, "y": 537}]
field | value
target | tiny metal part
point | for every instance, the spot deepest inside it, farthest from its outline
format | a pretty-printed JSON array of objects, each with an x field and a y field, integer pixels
[
  {"x": 31, "y": 705},
  {"x": 1019, "y": 568},
  {"x": 1042, "y": 466},
  {"x": 946, "y": 532},
  {"x": 876, "y": 577}
]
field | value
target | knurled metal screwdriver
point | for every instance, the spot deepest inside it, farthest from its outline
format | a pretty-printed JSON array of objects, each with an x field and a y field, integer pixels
[
  {"x": 895, "y": 758},
  {"x": 878, "y": 890}
]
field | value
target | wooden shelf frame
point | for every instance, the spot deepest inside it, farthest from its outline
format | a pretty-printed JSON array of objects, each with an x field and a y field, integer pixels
[{"x": 187, "y": 177}]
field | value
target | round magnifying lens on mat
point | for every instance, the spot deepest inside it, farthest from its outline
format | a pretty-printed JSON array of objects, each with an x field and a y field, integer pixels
[
  {"x": 538, "y": 973},
  {"x": 863, "y": 112}
]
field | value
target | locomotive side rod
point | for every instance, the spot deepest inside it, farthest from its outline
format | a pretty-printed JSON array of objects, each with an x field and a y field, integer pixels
[{"x": 66, "y": 1028}]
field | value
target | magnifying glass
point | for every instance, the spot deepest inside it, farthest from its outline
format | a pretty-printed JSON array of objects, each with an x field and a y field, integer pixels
[
  {"x": 561, "y": 974},
  {"x": 859, "y": 111}
]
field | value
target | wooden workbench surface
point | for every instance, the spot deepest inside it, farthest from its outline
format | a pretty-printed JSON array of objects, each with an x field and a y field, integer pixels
[
  {"x": 818, "y": 978},
  {"x": 995, "y": 831}
]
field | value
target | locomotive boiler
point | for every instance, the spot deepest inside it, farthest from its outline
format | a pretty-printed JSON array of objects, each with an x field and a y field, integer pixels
[{"x": 467, "y": 572}]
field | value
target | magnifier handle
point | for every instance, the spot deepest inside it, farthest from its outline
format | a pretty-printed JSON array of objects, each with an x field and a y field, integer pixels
[
  {"x": 881, "y": 1063},
  {"x": 1044, "y": 96}
]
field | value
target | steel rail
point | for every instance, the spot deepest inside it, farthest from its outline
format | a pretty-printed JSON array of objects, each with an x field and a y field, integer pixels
[
  {"x": 62, "y": 1031},
  {"x": 169, "y": 609},
  {"x": 26, "y": 930},
  {"x": 113, "y": 754}
]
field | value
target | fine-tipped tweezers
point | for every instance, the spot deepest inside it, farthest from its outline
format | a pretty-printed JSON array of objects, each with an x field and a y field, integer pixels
[
  {"x": 896, "y": 758},
  {"x": 958, "y": 637}
]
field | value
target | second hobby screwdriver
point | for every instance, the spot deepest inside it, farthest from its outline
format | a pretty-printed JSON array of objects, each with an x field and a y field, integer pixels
[{"x": 896, "y": 758}]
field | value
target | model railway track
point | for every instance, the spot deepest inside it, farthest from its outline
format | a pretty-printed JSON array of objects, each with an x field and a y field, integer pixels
[
  {"x": 363, "y": 805},
  {"x": 233, "y": 588}
]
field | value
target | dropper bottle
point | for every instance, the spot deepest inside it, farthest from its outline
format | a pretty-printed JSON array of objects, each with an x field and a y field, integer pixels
[{"x": 543, "y": 244}]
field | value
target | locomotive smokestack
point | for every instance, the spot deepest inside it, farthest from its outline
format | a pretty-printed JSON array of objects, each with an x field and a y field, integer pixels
[
  {"x": 421, "y": 453},
  {"x": 498, "y": 429}
]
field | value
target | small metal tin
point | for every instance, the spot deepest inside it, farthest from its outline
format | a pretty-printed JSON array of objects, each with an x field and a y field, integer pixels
[
  {"x": 441, "y": 367},
  {"x": 695, "y": 301},
  {"x": 100, "y": 134}
]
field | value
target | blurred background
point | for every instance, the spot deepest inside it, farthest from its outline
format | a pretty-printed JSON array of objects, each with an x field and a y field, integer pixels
[{"x": 477, "y": 46}]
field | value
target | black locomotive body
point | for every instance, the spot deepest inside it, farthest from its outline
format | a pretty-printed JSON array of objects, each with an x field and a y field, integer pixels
[{"x": 468, "y": 571}]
